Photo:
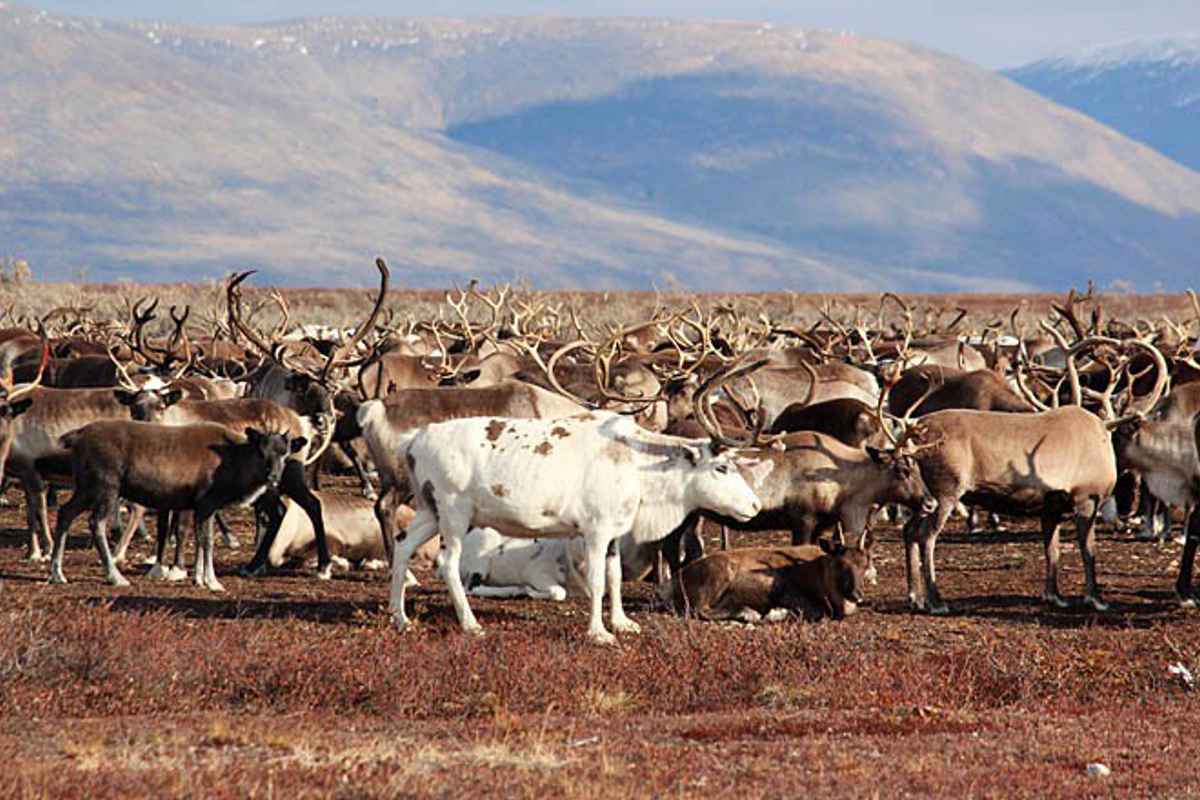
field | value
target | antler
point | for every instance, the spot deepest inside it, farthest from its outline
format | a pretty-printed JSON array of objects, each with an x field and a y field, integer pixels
[
  {"x": 704, "y": 414},
  {"x": 9, "y": 391},
  {"x": 236, "y": 325},
  {"x": 361, "y": 330}
]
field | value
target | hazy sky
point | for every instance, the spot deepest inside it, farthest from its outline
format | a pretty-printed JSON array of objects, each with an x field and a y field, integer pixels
[{"x": 993, "y": 33}]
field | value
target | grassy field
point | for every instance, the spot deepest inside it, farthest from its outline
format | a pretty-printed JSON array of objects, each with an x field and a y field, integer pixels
[
  {"x": 287, "y": 687},
  {"x": 290, "y": 687}
]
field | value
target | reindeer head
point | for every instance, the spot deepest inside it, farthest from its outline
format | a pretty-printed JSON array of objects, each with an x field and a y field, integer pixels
[
  {"x": 14, "y": 402},
  {"x": 853, "y": 569},
  {"x": 274, "y": 449}
]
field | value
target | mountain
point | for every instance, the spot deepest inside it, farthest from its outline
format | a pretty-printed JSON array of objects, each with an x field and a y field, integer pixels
[
  {"x": 594, "y": 153},
  {"x": 1148, "y": 90}
]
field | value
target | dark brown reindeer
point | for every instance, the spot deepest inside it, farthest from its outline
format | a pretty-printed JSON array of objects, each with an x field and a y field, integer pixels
[
  {"x": 310, "y": 395},
  {"x": 199, "y": 468},
  {"x": 755, "y": 583}
]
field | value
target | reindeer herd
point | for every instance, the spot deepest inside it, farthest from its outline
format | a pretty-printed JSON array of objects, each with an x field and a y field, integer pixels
[{"x": 541, "y": 453}]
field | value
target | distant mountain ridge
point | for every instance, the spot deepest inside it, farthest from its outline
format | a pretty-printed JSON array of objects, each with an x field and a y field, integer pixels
[
  {"x": 596, "y": 153},
  {"x": 1148, "y": 89}
]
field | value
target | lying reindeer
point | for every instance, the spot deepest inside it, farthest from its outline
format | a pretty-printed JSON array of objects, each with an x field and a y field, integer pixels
[
  {"x": 495, "y": 565},
  {"x": 201, "y": 468},
  {"x": 352, "y": 530},
  {"x": 753, "y": 583}
]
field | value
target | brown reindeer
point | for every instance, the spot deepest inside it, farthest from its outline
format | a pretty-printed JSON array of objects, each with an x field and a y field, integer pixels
[
  {"x": 755, "y": 583},
  {"x": 200, "y": 468},
  {"x": 1052, "y": 464}
]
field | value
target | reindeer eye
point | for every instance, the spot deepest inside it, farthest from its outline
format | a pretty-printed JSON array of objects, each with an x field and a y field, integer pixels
[{"x": 723, "y": 469}]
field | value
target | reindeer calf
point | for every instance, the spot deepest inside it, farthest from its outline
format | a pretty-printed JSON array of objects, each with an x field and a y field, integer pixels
[
  {"x": 750, "y": 583},
  {"x": 201, "y": 468}
]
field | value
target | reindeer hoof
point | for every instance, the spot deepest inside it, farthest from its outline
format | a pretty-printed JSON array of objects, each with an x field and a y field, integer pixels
[
  {"x": 1096, "y": 603},
  {"x": 939, "y": 609},
  {"x": 325, "y": 573},
  {"x": 117, "y": 579},
  {"x": 1185, "y": 600},
  {"x": 475, "y": 630},
  {"x": 176, "y": 574},
  {"x": 34, "y": 557},
  {"x": 1054, "y": 599},
  {"x": 257, "y": 572},
  {"x": 58, "y": 577},
  {"x": 214, "y": 585},
  {"x": 602, "y": 637},
  {"x": 626, "y": 626},
  {"x": 157, "y": 573}
]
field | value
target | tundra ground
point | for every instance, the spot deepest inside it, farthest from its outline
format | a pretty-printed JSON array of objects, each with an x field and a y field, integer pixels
[{"x": 290, "y": 687}]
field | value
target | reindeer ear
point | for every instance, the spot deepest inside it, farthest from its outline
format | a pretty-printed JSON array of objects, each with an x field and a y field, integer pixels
[
  {"x": 693, "y": 454},
  {"x": 297, "y": 444},
  {"x": 827, "y": 546},
  {"x": 172, "y": 396},
  {"x": 254, "y": 436},
  {"x": 875, "y": 453},
  {"x": 124, "y": 396}
]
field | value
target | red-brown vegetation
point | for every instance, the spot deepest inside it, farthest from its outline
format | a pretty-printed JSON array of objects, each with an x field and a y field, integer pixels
[{"x": 293, "y": 687}]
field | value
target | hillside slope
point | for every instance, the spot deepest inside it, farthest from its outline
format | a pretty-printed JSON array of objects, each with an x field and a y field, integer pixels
[
  {"x": 1148, "y": 90},
  {"x": 598, "y": 153}
]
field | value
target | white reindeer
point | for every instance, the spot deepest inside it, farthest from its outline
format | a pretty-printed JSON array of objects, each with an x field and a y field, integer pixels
[
  {"x": 596, "y": 475},
  {"x": 495, "y": 565}
]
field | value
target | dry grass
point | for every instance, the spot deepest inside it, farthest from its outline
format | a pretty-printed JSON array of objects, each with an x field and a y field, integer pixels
[
  {"x": 287, "y": 686},
  {"x": 291, "y": 686},
  {"x": 345, "y": 307}
]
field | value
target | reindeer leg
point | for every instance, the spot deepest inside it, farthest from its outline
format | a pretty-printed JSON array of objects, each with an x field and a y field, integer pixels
[
  {"x": 724, "y": 537},
  {"x": 158, "y": 572},
  {"x": 368, "y": 491},
  {"x": 293, "y": 485},
  {"x": 136, "y": 514},
  {"x": 386, "y": 505},
  {"x": 669, "y": 548},
  {"x": 912, "y": 560},
  {"x": 612, "y": 565},
  {"x": 226, "y": 534},
  {"x": 424, "y": 526},
  {"x": 35, "y": 511},
  {"x": 268, "y": 514},
  {"x": 101, "y": 519},
  {"x": 597, "y": 548},
  {"x": 177, "y": 572},
  {"x": 1085, "y": 526},
  {"x": 79, "y": 501},
  {"x": 453, "y": 523},
  {"x": 1050, "y": 522},
  {"x": 804, "y": 530},
  {"x": 929, "y": 534},
  {"x": 204, "y": 533},
  {"x": 1183, "y": 584}
]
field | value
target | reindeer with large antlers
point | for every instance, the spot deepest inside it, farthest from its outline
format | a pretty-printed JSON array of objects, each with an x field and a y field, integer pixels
[
  {"x": 1055, "y": 463},
  {"x": 808, "y": 482},
  {"x": 307, "y": 394}
]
